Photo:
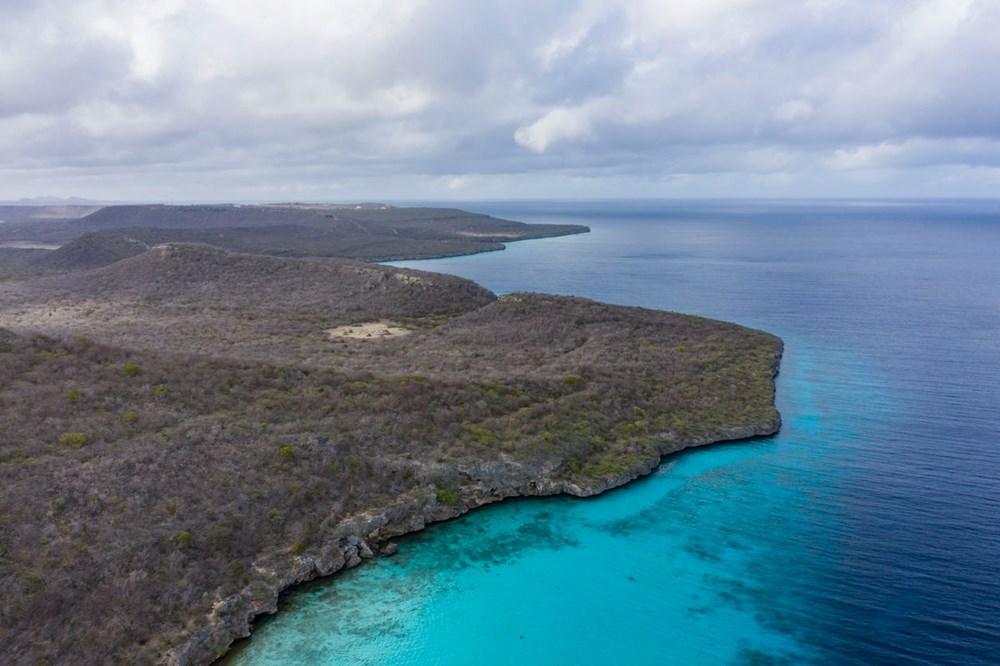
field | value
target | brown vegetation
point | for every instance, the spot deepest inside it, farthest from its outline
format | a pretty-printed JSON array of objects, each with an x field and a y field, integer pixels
[
  {"x": 175, "y": 419},
  {"x": 371, "y": 232}
]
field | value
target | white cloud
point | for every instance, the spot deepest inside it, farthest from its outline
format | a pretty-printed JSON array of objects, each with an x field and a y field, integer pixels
[
  {"x": 918, "y": 152},
  {"x": 866, "y": 157},
  {"x": 556, "y": 126},
  {"x": 793, "y": 110},
  {"x": 232, "y": 95}
]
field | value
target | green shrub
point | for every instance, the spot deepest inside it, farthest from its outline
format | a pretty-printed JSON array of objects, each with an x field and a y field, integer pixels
[
  {"x": 236, "y": 568},
  {"x": 74, "y": 440},
  {"x": 447, "y": 496},
  {"x": 634, "y": 427},
  {"x": 130, "y": 417},
  {"x": 183, "y": 538},
  {"x": 131, "y": 369},
  {"x": 287, "y": 453},
  {"x": 73, "y": 395},
  {"x": 480, "y": 435}
]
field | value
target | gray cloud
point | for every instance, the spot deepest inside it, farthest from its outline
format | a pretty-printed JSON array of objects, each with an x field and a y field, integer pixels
[{"x": 234, "y": 99}]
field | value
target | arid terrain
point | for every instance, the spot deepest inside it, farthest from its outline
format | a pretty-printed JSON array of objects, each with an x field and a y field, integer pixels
[
  {"x": 92, "y": 236},
  {"x": 187, "y": 431}
]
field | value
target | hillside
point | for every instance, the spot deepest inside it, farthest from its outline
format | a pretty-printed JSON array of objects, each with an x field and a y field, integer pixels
[
  {"x": 188, "y": 431},
  {"x": 90, "y": 250},
  {"x": 55, "y": 223},
  {"x": 179, "y": 297},
  {"x": 369, "y": 232}
]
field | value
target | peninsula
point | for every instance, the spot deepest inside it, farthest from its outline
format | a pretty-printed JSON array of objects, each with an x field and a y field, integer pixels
[
  {"x": 189, "y": 430},
  {"x": 91, "y": 236}
]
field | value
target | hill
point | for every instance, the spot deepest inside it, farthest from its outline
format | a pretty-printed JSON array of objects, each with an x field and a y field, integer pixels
[
  {"x": 179, "y": 297},
  {"x": 50, "y": 223},
  {"x": 370, "y": 232},
  {"x": 90, "y": 251},
  {"x": 189, "y": 431}
]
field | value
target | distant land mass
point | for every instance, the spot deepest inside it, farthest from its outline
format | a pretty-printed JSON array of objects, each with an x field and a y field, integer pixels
[
  {"x": 48, "y": 200},
  {"x": 189, "y": 430},
  {"x": 96, "y": 235}
]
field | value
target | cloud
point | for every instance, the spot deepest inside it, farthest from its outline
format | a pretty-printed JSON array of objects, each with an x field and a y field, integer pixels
[
  {"x": 119, "y": 99},
  {"x": 555, "y": 126},
  {"x": 918, "y": 152},
  {"x": 793, "y": 110}
]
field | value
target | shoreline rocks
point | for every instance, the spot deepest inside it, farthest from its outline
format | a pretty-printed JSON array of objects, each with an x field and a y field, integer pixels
[{"x": 369, "y": 535}]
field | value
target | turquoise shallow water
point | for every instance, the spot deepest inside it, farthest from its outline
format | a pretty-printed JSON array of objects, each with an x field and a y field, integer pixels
[{"x": 867, "y": 531}]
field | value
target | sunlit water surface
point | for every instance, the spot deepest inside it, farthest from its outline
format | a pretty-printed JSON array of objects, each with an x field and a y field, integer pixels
[{"x": 867, "y": 531}]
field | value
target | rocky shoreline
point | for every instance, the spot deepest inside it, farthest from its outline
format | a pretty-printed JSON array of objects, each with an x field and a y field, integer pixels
[
  {"x": 369, "y": 535},
  {"x": 188, "y": 440}
]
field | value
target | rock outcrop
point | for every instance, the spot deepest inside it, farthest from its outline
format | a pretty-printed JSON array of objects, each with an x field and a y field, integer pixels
[{"x": 368, "y": 535}]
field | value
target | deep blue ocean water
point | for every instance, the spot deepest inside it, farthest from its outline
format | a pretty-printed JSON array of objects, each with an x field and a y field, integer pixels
[{"x": 866, "y": 532}]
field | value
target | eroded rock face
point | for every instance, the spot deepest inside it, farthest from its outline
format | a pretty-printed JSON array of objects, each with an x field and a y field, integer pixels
[{"x": 364, "y": 536}]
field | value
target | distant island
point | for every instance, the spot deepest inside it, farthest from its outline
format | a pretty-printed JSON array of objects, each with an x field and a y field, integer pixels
[
  {"x": 205, "y": 405},
  {"x": 91, "y": 236}
]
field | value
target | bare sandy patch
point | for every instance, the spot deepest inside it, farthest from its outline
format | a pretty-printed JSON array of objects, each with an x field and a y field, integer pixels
[
  {"x": 30, "y": 245},
  {"x": 489, "y": 234},
  {"x": 370, "y": 330}
]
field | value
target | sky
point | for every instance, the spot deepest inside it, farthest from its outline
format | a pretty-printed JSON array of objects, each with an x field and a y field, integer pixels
[{"x": 343, "y": 100}]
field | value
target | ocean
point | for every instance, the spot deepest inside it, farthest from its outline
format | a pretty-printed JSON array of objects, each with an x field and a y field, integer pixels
[{"x": 866, "y": 532}]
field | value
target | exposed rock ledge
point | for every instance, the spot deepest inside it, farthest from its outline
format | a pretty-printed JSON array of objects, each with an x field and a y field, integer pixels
[{"x": 360, "y": 537}]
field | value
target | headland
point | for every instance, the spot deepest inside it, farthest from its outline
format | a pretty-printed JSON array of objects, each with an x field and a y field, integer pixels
[{"x": 184, "y": 438}]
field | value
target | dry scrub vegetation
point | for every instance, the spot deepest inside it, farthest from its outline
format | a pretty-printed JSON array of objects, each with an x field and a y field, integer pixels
[
  {"x": 371, "y": 232},
  {"x": 172, "y": 418}
]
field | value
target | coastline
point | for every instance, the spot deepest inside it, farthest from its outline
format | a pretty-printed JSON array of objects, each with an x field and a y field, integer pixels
[
  {"x": 384, "y": 233},
  {"x": 575, "y": 333},
  {"x": 369, "y": 534},
  {"x": 582, "y": 229}
]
